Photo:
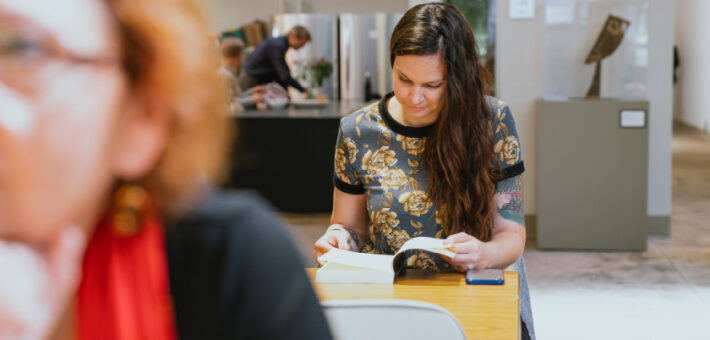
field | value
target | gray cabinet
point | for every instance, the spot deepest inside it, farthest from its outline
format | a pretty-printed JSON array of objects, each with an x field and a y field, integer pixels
[{"x": 592, "y": 174}]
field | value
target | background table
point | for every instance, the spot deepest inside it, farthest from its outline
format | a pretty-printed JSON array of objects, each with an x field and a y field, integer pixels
[
  {"x": 484, "y": 312},
  {"x": 287, "y": 154}
]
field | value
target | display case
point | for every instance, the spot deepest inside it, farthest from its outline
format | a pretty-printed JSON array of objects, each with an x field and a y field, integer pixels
[
  {"x": 574, "y": 28},
  {"x": 364, "y": 54}
]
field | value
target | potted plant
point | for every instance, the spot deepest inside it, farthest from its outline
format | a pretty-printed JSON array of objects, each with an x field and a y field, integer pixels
[{"x": 315, "y": 72}]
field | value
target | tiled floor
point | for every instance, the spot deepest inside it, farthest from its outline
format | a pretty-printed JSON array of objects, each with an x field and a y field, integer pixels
[{"x": 663, "y": 293}]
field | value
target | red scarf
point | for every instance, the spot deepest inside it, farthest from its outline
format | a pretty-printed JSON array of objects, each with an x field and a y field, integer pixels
[{"x": 124, "y": 292}]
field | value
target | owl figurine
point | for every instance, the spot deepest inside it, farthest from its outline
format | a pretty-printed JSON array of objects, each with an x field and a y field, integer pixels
[{"x": 608, "y": 40}]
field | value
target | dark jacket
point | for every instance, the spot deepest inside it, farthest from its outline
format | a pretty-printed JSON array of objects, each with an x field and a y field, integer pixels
[
  {"x": 267, "y": 63},
  {"x": 235, "y": 274}
]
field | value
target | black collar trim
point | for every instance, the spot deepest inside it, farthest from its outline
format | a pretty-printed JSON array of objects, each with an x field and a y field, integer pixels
[{"x": 409, "y": 131}]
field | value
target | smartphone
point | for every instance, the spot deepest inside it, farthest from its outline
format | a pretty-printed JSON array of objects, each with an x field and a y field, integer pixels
[{"x": 484, "y": 277}]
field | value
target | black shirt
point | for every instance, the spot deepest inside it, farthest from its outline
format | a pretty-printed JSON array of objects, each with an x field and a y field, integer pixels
[
  {"x": 267, "y": 63},
  {"x": 235, "y": 274}
]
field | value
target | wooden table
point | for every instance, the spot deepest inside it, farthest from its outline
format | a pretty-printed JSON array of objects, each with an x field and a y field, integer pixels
[{"x": 484, "y": 312}]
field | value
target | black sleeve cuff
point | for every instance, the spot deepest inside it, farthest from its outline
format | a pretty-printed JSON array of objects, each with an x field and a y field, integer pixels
[
  {"x": 294, "y": 83},
  {"x": 511, "y": 171},
  {"x": 356, "y": 189}
]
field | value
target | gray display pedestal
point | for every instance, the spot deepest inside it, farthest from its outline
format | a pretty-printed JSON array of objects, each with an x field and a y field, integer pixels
[{"x": 592, "y": 174}]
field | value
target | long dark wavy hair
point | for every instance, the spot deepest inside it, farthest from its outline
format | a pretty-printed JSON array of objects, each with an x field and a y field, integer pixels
[{"x": 458, "y": 153}]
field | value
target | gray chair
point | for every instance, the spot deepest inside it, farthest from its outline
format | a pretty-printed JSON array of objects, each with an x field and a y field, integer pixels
[{"x": 390, "y": 320}]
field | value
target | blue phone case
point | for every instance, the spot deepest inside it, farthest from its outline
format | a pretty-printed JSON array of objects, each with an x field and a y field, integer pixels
[{"x": 484, "y": 277}]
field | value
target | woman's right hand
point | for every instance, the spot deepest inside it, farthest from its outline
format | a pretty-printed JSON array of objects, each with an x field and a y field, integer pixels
[
  {"x": 335, "y": 237},
  {"x": 37, "y": 284}
]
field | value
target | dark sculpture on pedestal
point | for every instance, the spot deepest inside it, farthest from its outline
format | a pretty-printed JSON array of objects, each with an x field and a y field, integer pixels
[{"x": 608, "y": 40}]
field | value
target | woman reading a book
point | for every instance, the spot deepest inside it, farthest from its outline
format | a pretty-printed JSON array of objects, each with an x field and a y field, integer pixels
[
  {"x": 435, "y": 158},
  {"x": 113, "y": 124}
]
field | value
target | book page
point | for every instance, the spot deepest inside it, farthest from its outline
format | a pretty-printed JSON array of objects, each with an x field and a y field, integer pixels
[
  {"x": 434, "y": 245},
  {"x": 333, "y": 272},
  {"x": 344, "y": 266},
  {"x": 377, "y": 262}
]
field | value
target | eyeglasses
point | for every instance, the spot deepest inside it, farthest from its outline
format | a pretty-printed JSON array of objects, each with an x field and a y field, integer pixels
[{"x": 30, "y": 57}]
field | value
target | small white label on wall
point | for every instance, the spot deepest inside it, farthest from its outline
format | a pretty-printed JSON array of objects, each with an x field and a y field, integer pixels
[
  {"x": 633, "y": 119},
  {"x": 521, "y": 9}
]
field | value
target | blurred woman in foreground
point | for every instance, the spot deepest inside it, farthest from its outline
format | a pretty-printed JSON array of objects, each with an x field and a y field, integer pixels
[{"x": 112, "y": 127}]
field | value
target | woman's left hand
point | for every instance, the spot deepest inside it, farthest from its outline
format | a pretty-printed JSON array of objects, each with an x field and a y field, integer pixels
[{"x": 470, "y": 252}]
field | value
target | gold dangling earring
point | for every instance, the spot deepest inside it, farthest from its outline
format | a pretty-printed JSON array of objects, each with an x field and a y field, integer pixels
[{"x": 131, "y": 202}]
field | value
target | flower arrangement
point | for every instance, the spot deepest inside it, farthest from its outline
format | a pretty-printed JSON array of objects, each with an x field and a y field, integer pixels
[{"x": 315, "y": 71}]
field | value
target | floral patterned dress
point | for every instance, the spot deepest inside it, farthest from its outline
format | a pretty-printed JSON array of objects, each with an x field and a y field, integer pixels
[{"x": 377, "y": 156}]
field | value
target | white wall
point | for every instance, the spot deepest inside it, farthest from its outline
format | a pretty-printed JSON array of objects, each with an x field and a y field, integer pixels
[
  {"x": 519, "y": 79},
  {"x": 659, "y": 78},
  {"x": 227, "y": 14},
  {"x": 519, "y": 83},
  {"x": 691, "y": 35}
]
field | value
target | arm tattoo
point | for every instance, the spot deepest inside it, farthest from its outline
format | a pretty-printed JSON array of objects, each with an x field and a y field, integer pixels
[
  {"x": 509, "y": 199},
  {"x": 354, "y": 238}
]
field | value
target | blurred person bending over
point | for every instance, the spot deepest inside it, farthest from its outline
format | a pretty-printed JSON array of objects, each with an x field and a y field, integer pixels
[
  {"x": 110, "y": 134},
  {"x": 267, "y": 62},
  {"x": 232, "y": 56}
]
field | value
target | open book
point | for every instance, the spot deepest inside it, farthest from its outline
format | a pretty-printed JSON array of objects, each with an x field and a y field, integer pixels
[{"x": 343, "y": 266}]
